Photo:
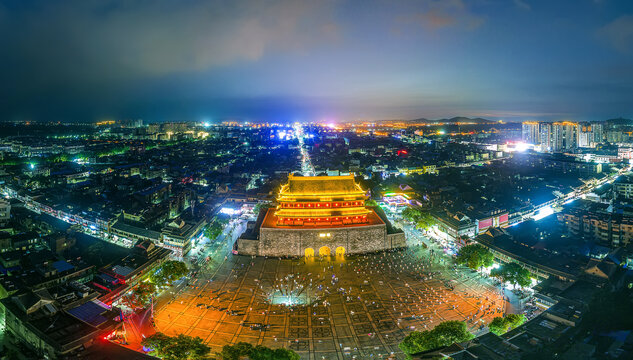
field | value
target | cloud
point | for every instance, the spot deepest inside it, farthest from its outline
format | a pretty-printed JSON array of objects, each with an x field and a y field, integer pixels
[
  {"x": 440, "y": 14},
  {"x": 126, "y": 38},
  {"x": 522, "y": 5},
  {"x": 619, "y": 33}
]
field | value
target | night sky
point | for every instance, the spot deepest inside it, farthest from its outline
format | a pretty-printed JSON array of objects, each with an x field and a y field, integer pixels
[{"x": 316, "y": 60}]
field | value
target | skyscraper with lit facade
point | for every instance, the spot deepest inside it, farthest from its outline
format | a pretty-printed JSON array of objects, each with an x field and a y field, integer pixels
[
  {"x": 564, "y": 136},
  {"x": 530, "y": 132}
]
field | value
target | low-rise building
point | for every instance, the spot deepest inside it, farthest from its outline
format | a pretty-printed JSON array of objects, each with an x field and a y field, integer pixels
[
  {"x": 116, "y": 278},
  {"x": 541, "y": 264},
  {"x": 5, "y": 212},
  {"x": 50, "y": 331},
  {"x": 594, "y": 221},
  {"x": 455, "y": 225},
  {"x": 178, "y": 234}
]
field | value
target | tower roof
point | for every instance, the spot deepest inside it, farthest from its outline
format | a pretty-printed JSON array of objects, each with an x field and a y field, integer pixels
[{"x": 321, "y": 185}]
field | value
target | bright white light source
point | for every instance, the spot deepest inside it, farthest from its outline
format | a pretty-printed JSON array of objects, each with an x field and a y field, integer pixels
[
  {"x": 544, "y": 212},
  {"x": 229, "y": 211},
  {"x": 521, "y": 146}
]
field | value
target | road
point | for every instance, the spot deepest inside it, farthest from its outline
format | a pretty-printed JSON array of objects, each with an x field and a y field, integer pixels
[
  {"x": 306, "y": 164},
  {"x": 549, "y": 207},
  {"x": 140, "y": 325}
]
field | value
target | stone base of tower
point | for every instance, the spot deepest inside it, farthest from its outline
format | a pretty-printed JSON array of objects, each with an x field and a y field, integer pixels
[{"x": 295, "y": 242}]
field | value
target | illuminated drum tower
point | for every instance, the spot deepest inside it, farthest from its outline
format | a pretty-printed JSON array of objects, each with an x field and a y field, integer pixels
[
  {"x": 319, "y": 215},
  {"x": 321, "y": 201}
]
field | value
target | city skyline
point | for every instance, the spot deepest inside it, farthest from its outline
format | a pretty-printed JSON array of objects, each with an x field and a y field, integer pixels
[
  {"x": 307, "y": 61},
  {"x": 303, "y": 180}
]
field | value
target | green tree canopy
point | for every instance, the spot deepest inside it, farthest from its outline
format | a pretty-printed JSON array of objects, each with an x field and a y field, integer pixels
[
  {"x": 259, "y": 352},
  {"x": 426, "y": 221},
  {"x": 501, "y": 325},
  {"x": 181, "y": 347},
  {"x": 371, "y": 202},
  {"x": 412, "y": 214},
  {"x": 216, "y": 227},
  {"x": 259, "y": 206},
  {"x": 444, "y": 334},
  {"x": 422, "y": 219},
  {"x": 140, "y": 296},
  {"x": 475, "y": 256},
  {"x": 168, "y": 272},
  {"x": 513, "y": 273}
]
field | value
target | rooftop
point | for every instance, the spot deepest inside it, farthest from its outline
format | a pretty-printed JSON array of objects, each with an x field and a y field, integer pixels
[
  {"x": 271, "y": 222},
  {"x": 313, "y": 185}
]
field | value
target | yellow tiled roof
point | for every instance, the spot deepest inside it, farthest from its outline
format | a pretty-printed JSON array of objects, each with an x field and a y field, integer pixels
[{"x": 321, "y": 185}]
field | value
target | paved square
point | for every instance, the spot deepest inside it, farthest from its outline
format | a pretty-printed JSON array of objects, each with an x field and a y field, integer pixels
[{"x": 328, "y": 308}]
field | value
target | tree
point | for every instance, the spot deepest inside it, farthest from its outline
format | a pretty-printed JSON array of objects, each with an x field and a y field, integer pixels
[
  {"x": 414, "y": 342},
  {"x": 216, "y": 227},
  {"x": 213, "y": 230},
  {"x": 475, "y": 256},
  {"x": 498, "y": 326},
  {"x": 515, "y": 320},
  {"x": 372, "y": 203},
  {"x": 501, "y": 325},
  {"x": 422, "y": 219},
  {"x": 259, "y": 206},
  {"x": 156, "y": 342},
  {"x": 444, "y": 334},
  {"x": 513, "y": 273},
  {"x": 181, "y": 347},
  {"x": 259, "y": 352},
  {"x": 168, "y": 272},
  {"x": 426, "y": 221},
  {"x": 140, "y": 296},
  {"x": 411, "y": 214}
]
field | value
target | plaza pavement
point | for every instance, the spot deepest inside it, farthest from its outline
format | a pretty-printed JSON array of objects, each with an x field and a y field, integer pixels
[{"x": 356, "y": 307}]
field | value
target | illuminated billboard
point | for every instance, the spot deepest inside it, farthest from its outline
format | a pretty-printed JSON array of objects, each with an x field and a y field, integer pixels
[{"x": 484, "y": 224}]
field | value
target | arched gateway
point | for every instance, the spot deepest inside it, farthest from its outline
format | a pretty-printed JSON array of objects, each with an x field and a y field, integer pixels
[{"x": 324, "y": 251}]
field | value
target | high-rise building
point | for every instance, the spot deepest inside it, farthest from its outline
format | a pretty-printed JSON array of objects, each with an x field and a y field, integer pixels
[
  {"x": 564, "y": 136},
  {"x": 616, "y": 136},
  {"x": 589, "y": 134},
  {"x": 530, "y": 132},
  {"x": 585, "y": 135},
  {"x": 598, "y": 132},
  {"x": 545, "y": 136}
]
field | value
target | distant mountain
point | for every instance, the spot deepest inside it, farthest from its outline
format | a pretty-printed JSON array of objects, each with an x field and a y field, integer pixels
[
  {"x": 454, "y": 120},
  {"x": 619, "y": 121}
]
